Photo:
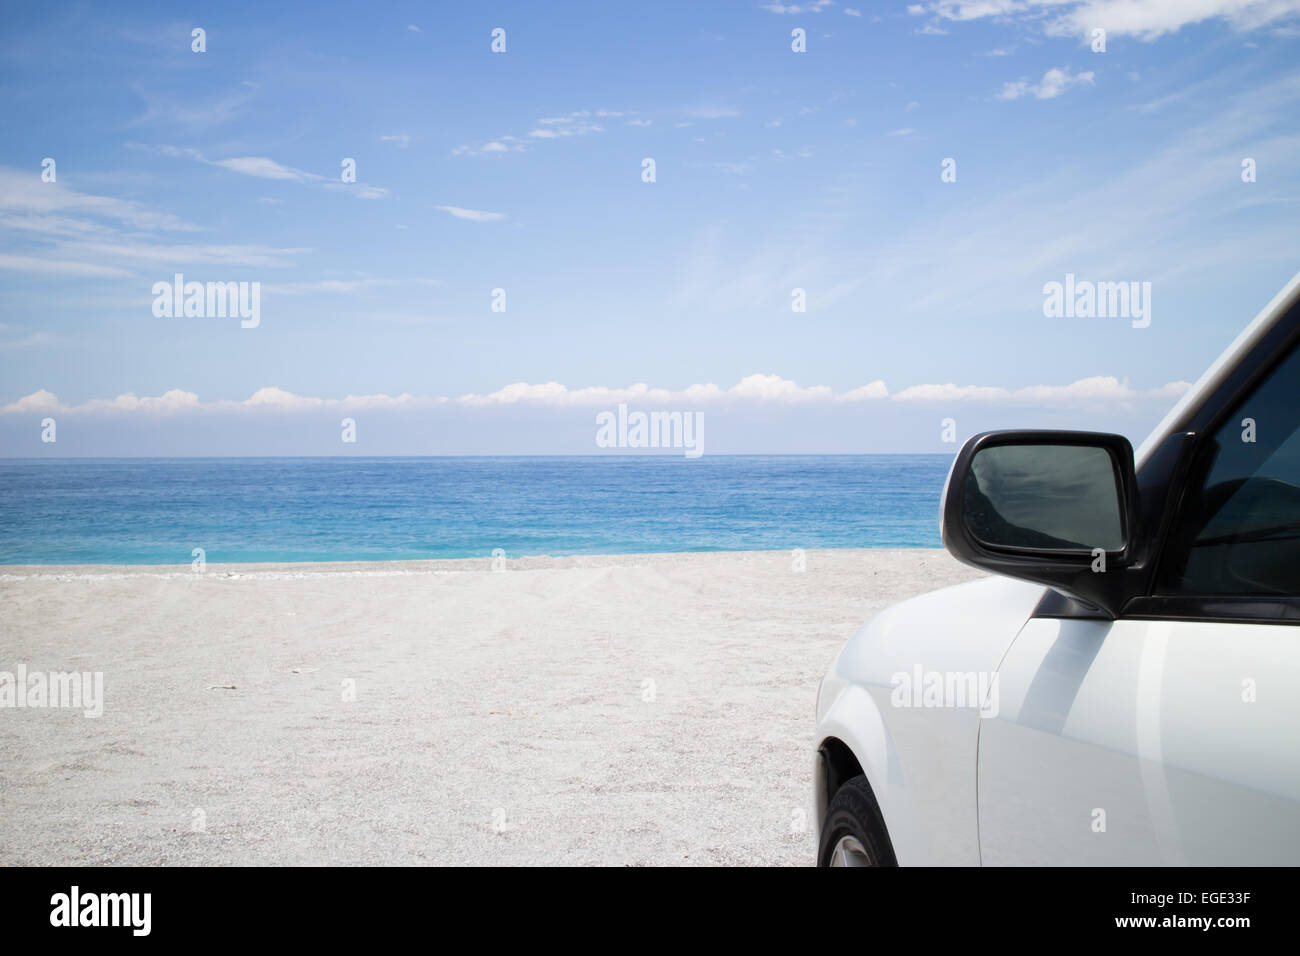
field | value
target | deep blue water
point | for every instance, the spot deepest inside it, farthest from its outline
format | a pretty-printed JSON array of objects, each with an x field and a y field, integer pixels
[{"x": 155, "y": 511}]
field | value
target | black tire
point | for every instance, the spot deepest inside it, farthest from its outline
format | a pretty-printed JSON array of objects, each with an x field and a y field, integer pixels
[{"x": 854, "y": 815}]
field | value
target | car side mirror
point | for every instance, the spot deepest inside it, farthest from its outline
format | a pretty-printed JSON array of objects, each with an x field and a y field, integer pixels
[{"x": 1054, "y": 507}]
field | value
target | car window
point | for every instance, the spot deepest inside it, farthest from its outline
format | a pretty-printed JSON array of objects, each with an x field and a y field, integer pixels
[{"x": 1238, "y": 530}]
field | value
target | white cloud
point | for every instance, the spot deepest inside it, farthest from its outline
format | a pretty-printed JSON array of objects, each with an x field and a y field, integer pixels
[
  {"x": 574, "y": 124},
  {"x": 474, "y": 215},
  {"x": 967, "y": 9},
  {"x": 38, "y": 401},
  {"x": 849, "y": 11},
  {"x": 1097, "y": 388},
  {"x": 1151, "y": 19},
  {"x": 867, "y": 392},
  {"x": 1054, "y": 83},
  {"x": 1145, "y": 19},
  {"x": 775, "y": 388},
  {"x": 731, "y": 169},
  {"x": 772, "y": 389},
  {"x": 577, "y": 123},
  {"x": 496, "y": 147},
  {"x": 260, "y": 166},
  {"x": 268, "y": 399},
  {"x": 170, "y": 401},
  {"x": 401, "y": 139},
  {"x": 812, "y": 6},
  {"x": 263, "y": 167}
]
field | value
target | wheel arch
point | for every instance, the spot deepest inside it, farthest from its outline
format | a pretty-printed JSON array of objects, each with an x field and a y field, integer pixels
[{"x": 853, "y": 741}]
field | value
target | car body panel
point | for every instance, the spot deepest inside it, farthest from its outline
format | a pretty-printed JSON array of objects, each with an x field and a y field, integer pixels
[
  {"x": 911, "y": 755},
  {"x": 1127, "y": 743}
]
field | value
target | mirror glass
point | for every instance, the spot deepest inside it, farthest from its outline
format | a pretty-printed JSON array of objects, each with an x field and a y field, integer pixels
[{"x": 1059, "y": 497}]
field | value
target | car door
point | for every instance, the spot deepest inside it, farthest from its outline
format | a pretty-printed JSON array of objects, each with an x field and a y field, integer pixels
[{"x": 1170, "y": 735}]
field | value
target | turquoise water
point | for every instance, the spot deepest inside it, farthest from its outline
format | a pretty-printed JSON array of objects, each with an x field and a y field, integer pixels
[{"x": 156, "y": 511}]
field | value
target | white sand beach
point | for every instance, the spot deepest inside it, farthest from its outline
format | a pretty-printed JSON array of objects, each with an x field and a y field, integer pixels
[{"x": 600, "y": 710}]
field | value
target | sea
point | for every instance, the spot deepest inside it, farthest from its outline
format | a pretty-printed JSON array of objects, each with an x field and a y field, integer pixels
[{"x": 158, "y": 511}]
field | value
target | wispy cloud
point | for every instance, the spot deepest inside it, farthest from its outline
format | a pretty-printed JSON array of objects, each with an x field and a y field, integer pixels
[
  {"x": 708, "y": 112},
  {"x": 494, "y": 147},
  {"x": 58, "y": 267},
  {"x": 167, "y": 110},
  {"x": 337, "y": 286},
  {"x": 167, "y": 255},
  {"x": 25, "y": 341},
  {"x": 54, "y": 208},
  {"x": 1145, "y": 19},
  {"x": 573, "y": 124},
  {"x": 473, "y": 215},
  {"x": 811, "y": 6},
  {"x": 731, "y": 169},
  {"x": 263, "y": 167},
  {"x": 563, "y": 126},
  {"x": 81, "y": 235}
]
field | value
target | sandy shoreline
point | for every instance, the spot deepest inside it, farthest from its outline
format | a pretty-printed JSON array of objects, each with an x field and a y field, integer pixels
[{"x": 643, "y": 709}]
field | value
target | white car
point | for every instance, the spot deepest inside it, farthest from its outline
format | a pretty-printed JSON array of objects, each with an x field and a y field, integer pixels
[{"x": 1125, "y": 690}]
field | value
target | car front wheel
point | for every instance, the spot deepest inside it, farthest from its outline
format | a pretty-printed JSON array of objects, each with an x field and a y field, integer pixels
[{"x": 854, "y": 831}]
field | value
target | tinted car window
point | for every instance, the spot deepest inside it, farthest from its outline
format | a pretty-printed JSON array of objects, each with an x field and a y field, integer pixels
[{"x": 1238, "y": 531}]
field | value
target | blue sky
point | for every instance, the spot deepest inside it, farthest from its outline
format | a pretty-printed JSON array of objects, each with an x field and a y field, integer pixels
[{"x": 522, "y": 171}]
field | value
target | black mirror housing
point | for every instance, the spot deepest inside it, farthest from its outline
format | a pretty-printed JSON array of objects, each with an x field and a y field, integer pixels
[{"x": 1091, "y": 575}]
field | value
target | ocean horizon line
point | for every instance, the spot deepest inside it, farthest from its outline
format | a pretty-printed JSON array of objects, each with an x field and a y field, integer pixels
[{"x": 599, "y": 457}]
